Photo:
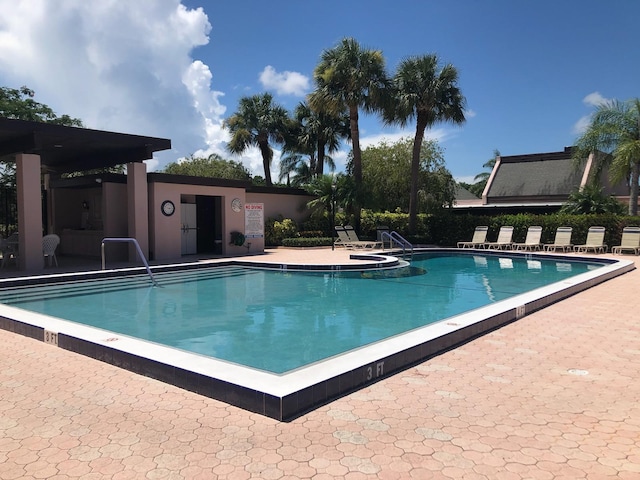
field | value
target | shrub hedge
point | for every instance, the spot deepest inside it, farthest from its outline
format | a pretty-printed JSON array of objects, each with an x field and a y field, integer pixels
[{"x": 447, "y": 228}]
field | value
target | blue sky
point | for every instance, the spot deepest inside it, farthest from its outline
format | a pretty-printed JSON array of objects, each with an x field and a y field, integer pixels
[{"x": 532, "y": 71}]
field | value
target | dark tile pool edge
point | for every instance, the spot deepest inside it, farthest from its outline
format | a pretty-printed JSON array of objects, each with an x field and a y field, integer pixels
[{"x": 288, "y": 406}]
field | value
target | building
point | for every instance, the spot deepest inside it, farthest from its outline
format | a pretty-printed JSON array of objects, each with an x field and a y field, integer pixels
[
  {"x": 538, "y": 183},
  {"x": 168, "y": 215}
]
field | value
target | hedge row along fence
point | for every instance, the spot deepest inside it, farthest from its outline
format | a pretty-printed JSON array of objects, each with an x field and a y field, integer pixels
[{"x": 446, "y": 229}]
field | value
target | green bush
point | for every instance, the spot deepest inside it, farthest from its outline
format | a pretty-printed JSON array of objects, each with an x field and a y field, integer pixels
[
  {"x": 307, "y": 242},
  {"x": 277, "y": 230},
  {"x": 447, "y": 228}
]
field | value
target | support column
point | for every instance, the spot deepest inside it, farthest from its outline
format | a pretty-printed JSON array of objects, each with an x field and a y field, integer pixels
[
  {"x": 138, "y": 207},
  {"x": 29, "y": 212}
]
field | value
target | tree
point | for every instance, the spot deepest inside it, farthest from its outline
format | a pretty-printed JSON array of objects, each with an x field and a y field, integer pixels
[
  {"x": 429, "y": 93},
  {"x": 591, "y": 199},
  {"x": 386, "y": 168},
  {"x": 322, "y": 188},
  {"x": 317, "y": 132},
  {"x": 257, "y": 122},
  {"x": 349, "y": 77},
  {"x": 614, "y": 129},
  {"x": 213, "y": 166},
  {"x": 482, "y": 178},
  {"x": 18, "y": 103},
  {"x": 295, "y": 169}
]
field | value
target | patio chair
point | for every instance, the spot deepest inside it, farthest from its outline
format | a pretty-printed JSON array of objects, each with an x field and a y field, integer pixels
[
  {"x": 357, "y": 243},
  {"x": 343, "y": 239},
  {"x": 49, "y": 245},
  {"x": 630, "y": 241},
  {"x": 532, "y": 241},
  {"x": 503, "y": 242},
  {"x": 595, "y": 241},
  {"x": 478, "y": 240},
  {"x": 562, "y": 240}
]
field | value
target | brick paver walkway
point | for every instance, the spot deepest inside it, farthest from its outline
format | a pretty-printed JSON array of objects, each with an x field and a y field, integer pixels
[{"x": 555, "y": 395}]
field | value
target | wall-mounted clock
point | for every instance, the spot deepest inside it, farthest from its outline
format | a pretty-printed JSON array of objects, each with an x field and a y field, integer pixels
[
  {"x": 168, "y": 208},
  {"x": 236, "y": 204}
]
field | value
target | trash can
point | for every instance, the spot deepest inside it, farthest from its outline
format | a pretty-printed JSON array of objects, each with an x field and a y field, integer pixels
[{"x": 380, "y": 229}]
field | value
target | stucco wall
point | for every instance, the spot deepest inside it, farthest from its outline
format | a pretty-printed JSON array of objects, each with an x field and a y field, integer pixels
[
  {"x": 285, "y": 205},
  {"x": 165, "y": 241}
]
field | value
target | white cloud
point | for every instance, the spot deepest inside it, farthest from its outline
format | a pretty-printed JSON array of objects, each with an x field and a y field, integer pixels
[
  {"x": 581, "y": 125},
  {"x": 438, "y": 134},
  {"x": 595, "y": 99},
  {"x": 121, "y": 66},
  {"x": 470, "y": 114},
  {"x": 285, "y": 83}
]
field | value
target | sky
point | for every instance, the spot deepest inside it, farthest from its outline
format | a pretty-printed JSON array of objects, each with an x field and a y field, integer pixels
[{"x": 531, "y": 71}]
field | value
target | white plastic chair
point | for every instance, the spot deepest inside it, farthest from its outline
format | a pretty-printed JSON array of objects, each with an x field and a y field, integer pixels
[{"x": 49, "y": 245}]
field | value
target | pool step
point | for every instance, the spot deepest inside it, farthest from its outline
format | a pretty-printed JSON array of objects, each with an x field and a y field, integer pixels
[{"x": 85, "y": 287}]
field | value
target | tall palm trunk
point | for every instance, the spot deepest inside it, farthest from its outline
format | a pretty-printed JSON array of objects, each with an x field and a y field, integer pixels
[
  {"x": 320, "y": 152},
  {"x": 421, "y": 126},
  {"x": 267, "y": 155},
  {"x": 357, "y": 164},
  {"x": 633, "y": 189}
]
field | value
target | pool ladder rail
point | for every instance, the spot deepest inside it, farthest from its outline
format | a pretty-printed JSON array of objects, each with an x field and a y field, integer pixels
[
  {"x": 395, "y": 237},
  {"x": 138, "y": 249}
]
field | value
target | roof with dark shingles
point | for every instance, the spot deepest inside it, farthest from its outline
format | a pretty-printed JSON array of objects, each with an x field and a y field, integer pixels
[
  {"x": 541, "y": 174},
  {"x": 464, "y": 194}
]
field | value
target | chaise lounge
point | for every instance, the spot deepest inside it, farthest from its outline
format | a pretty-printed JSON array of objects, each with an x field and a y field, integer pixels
[
  {"x": 503, "y": 242},
  {"x": 630, "y": 241},
  {"x": 595, "y": 241},
  {"x": 478, "y": 240},
  {"x": 532, "y": 241},
  {"x": 562, "y": 240}
]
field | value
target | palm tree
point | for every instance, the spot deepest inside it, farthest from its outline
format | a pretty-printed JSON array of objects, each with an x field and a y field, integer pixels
[
  {"x": 258, "y": 121},
  {"x": 482, "y": 178},
  {"x": 615, "y": 129},
  {"x": 295, "y": 169},
  {"x": 320, "y": 131},
  {"x": 350, "y": 77},
  {"x": 430, "y": 94},
  {"x": 313, "y": 135}
]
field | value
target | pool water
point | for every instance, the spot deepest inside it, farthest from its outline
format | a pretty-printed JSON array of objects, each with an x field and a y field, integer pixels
[{"x": 280, "y": 321}]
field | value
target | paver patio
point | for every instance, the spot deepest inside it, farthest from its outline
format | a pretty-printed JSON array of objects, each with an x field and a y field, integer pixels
[{"x": 555, "y": 395}]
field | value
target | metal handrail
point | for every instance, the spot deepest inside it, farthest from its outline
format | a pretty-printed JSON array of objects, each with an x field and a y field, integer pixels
[
  {"x": 399, "y": 239},
  {"x": 138, "y": 249}
]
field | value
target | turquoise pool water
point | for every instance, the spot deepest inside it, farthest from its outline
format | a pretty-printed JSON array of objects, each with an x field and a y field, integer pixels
[{"x": 279, "y": 321}]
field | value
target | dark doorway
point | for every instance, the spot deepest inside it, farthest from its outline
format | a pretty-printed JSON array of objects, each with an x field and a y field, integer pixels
[{"x": 209, "y": 220}]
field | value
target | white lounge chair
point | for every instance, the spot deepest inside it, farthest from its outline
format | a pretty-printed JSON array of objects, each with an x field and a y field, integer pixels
[
  {"x": 503, "y": 242},
  {"x": 630, "y": 241},
  {"x": 478, "y": 240},
  {"x": 595, "y": 241},
  {"x": 357, "y": 243},
  {"x": 532, "y": 242},
  {"x": 562, "y": 240}
]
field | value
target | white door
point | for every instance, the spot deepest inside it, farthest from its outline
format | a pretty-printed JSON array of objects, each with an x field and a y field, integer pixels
[{"x": 189, "y": 228}]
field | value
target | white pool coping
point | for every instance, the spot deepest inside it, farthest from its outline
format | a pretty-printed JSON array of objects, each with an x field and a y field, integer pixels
[{"x": 369, "y": 357}]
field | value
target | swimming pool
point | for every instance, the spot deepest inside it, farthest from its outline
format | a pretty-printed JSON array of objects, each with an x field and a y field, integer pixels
[{"x": 302, "y": 337}]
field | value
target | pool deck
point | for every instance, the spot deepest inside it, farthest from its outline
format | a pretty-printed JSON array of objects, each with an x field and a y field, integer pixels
[{"x": 553, "y": 395}]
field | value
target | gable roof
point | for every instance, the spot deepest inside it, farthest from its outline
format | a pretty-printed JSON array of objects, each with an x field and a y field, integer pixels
[
  {"x": 68, "y": 149},
  {"x": 552, "y": 174}
]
